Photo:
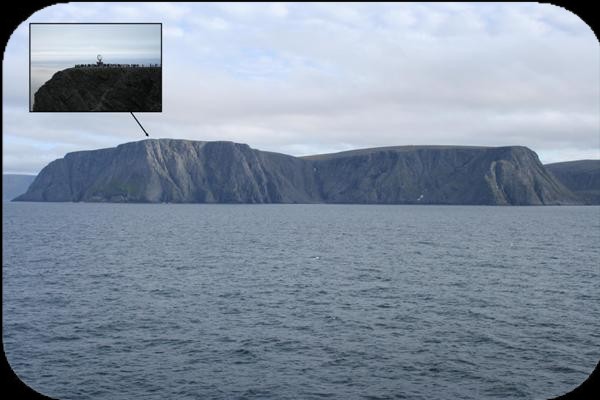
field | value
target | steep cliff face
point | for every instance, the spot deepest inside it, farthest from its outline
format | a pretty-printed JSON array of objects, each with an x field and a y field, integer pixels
[
  {"x": 175, "y": 171},
  {"x": 438, "y": 175},
  {"x": 101, "y": 89},
  {"x": 168, "y": 170},
  {"x": 582, "y": 177}
]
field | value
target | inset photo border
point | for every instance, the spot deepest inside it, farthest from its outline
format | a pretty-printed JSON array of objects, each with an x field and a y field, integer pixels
[{"x": 95, "y": 67}]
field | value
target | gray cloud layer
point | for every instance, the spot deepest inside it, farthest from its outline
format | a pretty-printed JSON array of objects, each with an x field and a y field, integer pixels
[{"x": 300, "y": 79}]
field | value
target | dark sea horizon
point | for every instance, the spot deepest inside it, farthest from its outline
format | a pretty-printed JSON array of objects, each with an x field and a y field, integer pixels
[{"x": 186, "y": 301}]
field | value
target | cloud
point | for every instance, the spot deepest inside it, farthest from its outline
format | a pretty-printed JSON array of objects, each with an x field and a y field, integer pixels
[
  {"x": 309, "y": 78},
  {"x": 173, "y": 31},
  {"x": 211, "y": 23},
  {"x": 278, "y": 10},
  {"x": 169, "y": 11}
]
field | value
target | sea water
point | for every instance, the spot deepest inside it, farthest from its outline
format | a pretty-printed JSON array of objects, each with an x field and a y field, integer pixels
[{"x": 124, "y": 301}]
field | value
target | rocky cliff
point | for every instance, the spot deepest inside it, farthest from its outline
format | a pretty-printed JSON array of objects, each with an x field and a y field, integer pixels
[
  {"x": 438, "y": 175},
  {"x": 166, "y": 170},
  {"x": 582, "y": 177},
  {"x": 101, "y": 89},
  {"x": 175, "y": 171}
]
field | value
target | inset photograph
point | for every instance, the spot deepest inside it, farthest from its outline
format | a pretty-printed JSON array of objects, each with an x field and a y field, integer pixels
[{"x": 98, "y": 67}]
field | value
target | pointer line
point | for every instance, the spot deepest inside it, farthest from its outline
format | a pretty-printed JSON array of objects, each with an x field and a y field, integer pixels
[{"x": 136, "y": 120}]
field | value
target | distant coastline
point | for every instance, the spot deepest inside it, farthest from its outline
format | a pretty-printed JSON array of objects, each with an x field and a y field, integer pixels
[{"x": 184, "y": 171}]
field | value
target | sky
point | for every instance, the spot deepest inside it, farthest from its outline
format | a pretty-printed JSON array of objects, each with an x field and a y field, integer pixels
[
  {"x": 81, "y": 43},
  {"x": 313, "y": 78}
]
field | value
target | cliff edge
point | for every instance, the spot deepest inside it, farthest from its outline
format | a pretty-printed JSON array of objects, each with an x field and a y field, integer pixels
[
  {"x": 582, "y": 177},
  {"x": 126, "y": 89},
  {"x": 183, "y": 171}
]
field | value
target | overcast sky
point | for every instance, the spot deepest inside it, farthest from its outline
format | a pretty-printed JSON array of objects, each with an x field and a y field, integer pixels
[
  {"x": 81, "y": 43},
  {"x": 312, "y": 78}
]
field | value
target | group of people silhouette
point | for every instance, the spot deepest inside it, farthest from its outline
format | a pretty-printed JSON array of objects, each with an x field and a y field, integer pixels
[{"x": 102, "y": 65}]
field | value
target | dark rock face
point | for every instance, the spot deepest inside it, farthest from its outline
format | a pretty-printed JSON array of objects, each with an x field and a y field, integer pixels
[
  {"x": 438, "y": 175},
  {"x": 175, "y": 171},
  {"x": 582, "y": 177},
  {"x": 102, "y": 89},
  {"x": 166, "y": 170},
  {"x": 14, "y": 185}
]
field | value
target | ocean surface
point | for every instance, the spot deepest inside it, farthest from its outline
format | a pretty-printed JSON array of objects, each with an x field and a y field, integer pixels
[{"x": 165, "y": 301}]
